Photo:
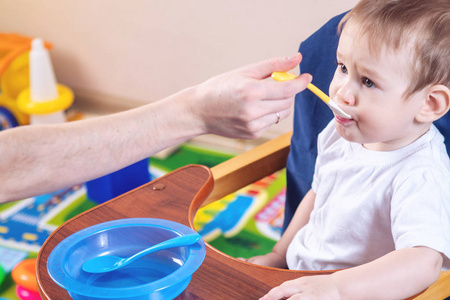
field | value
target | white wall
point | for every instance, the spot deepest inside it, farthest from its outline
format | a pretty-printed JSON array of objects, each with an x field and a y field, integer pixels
[{"x": 142, "y": 50}]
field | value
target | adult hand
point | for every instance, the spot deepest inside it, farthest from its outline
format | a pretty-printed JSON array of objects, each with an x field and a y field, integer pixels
[
  {"x": 237, "y": 104},
  {"x": 242, "y": 104},
  {"x": 319, "y": 287}
]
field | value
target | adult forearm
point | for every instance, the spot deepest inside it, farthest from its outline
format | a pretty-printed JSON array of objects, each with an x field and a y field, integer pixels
[
  {"x": 42, "y": 158},
  {"x": 237, "y": 104}
]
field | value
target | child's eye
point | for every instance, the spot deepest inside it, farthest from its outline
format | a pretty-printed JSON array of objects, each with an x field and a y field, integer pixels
[
  {"x": 343, "y": 68},
  {"x": 367, "y": 82}
]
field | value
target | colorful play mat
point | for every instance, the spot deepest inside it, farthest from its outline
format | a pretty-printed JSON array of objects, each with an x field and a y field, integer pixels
[{"x": 243, "y": 224}]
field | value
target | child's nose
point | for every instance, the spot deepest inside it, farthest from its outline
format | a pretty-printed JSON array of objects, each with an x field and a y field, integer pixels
[{"x": 345, "y": 95}]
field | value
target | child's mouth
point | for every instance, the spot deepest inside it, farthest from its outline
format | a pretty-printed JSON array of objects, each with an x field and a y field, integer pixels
[{"x": 342, "y": 120}]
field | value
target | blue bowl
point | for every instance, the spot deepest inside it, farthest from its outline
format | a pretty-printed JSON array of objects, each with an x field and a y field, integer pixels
[{"x": 160, "y": 275}]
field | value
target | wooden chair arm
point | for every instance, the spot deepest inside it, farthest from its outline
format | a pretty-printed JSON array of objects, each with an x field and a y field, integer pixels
[
  {"x": 249, "y": 167},
  {"x": 439, "y": 290}
]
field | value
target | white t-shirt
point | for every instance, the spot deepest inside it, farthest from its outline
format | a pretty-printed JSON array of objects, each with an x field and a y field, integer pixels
[{"x": 369, "y": 203}]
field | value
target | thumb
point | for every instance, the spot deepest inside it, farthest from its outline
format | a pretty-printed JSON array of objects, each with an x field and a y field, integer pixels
[{"x": 265, "y": 68}]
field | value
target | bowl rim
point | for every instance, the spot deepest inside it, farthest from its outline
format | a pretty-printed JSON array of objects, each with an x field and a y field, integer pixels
[{"x": 59, "y": 276}]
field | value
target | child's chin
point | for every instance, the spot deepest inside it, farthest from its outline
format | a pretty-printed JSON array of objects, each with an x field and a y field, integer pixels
[{"x": 345, "y": 133}]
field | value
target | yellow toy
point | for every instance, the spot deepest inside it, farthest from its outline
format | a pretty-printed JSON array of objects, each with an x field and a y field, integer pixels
[{"x": 18, "y": 99}]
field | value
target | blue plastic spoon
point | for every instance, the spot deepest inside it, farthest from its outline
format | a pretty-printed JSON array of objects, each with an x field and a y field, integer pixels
[{"x": 107, "y": 263}]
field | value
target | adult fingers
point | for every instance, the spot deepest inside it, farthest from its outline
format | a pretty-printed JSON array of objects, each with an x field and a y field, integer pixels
[
  {"x": 265, "y": 68},
  {"x": 260, "y": 110},
  {"x": 263, "y": 123},
  {"x": 274, "y": 90},
  {"x": 272, "y": 106},
  {"x": 279, "y": 116}
]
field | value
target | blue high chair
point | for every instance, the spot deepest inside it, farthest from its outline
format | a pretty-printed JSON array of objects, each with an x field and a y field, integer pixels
[{"x": 297, "y": 150}]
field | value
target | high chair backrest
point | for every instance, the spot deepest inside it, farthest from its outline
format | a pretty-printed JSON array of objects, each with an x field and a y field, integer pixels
[{"x": 311, "y": 115}]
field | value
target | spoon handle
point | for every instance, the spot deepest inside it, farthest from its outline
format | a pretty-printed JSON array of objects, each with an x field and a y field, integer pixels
[{"x": 184, "y": 240}]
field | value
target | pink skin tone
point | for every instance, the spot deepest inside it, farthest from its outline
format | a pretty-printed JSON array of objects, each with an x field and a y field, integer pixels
[{"x": 371, "y": 89}]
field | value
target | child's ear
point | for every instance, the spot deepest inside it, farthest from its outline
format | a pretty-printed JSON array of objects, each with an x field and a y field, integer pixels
[{"x": 437, "y": 104}]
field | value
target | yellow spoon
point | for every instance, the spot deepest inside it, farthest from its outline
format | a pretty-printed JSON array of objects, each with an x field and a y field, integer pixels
[{"x": 283, "y": 76}]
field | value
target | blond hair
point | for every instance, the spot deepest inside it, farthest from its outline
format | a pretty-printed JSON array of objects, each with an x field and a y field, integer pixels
[{"x": 422, "y": 24}]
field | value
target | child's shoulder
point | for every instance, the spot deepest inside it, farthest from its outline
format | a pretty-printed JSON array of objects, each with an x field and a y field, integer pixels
[
  {"x": 429, "y": 151},
  {"x": 426, "y": 162}
]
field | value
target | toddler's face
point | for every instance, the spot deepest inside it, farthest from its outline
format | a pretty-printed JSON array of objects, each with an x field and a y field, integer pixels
[{"x": 371, "y": 89}]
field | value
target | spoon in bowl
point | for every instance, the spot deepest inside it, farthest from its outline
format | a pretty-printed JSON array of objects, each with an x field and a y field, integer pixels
[{"x": 107, "y": 263}]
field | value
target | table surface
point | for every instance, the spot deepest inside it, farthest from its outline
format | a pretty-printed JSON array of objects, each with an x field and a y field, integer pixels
[{"x": 176, "y": 197}]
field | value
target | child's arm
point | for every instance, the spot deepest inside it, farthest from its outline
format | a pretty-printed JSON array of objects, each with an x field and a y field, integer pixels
[
  {"x": 397, "y": 275},
  {"x": 277, "y": 258}
]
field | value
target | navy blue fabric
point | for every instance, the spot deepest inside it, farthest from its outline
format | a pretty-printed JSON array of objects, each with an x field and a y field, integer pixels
[{"x": 311, "y": 115}]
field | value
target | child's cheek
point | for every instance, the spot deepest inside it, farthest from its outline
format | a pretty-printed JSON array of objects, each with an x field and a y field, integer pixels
[{"x": 333, "y": 87}]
